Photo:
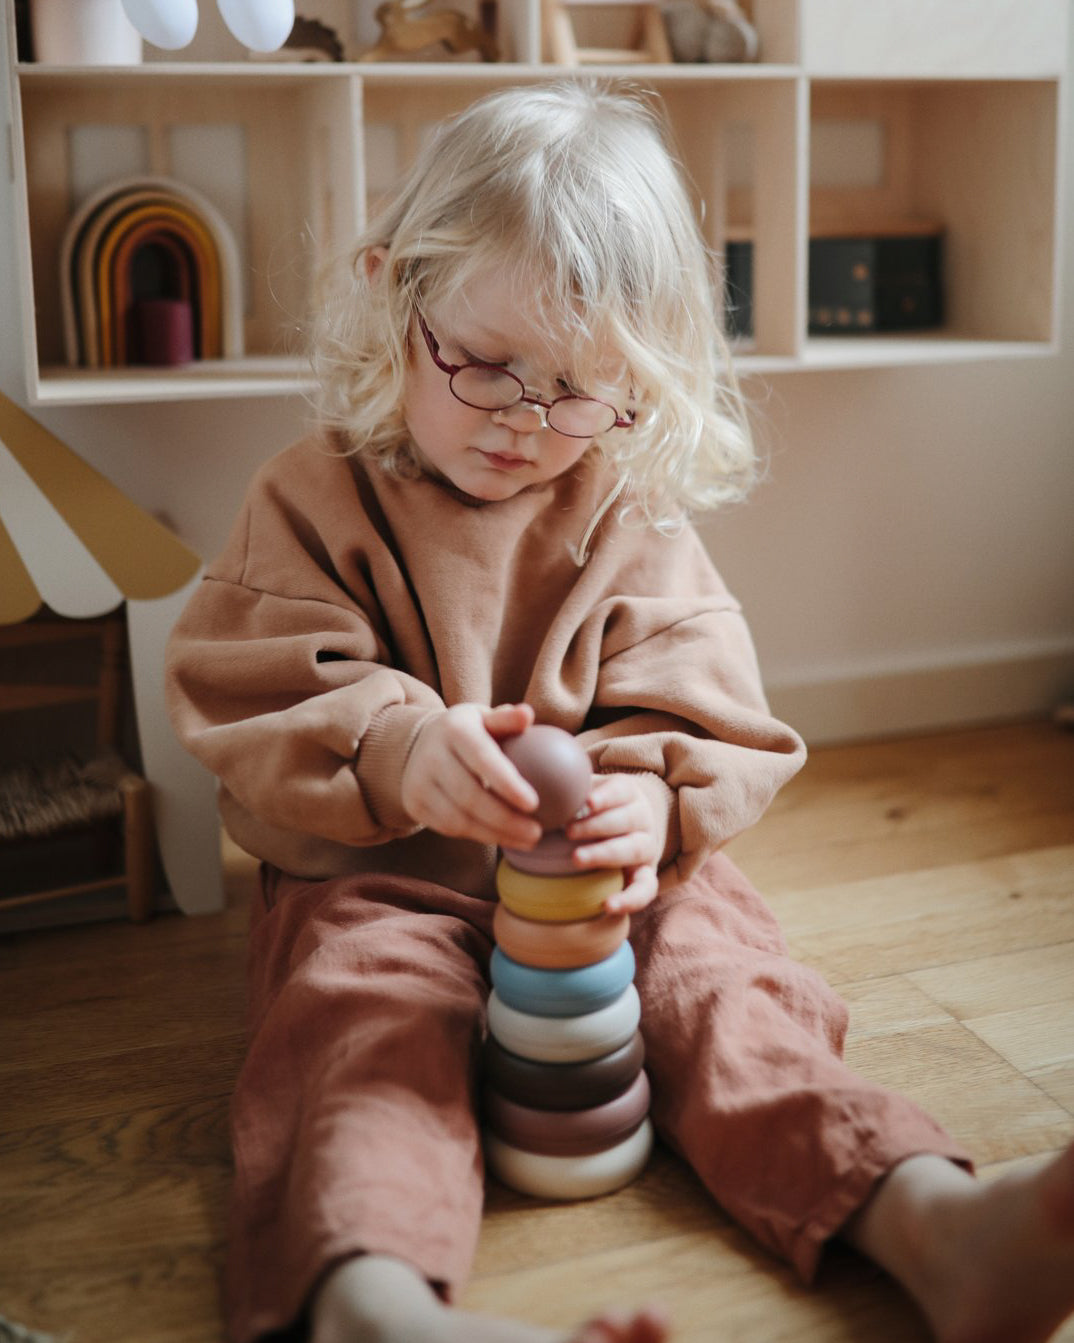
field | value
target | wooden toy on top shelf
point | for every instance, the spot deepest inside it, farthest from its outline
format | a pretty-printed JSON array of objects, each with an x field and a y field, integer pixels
[{"x": 407, "y": 29}]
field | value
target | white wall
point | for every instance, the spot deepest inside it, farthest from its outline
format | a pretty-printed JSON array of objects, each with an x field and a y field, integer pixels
[{"x": 909, "y": 561}]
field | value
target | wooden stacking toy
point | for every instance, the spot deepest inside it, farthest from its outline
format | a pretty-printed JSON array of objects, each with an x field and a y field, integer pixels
[{"x": 566, "y": 1097}]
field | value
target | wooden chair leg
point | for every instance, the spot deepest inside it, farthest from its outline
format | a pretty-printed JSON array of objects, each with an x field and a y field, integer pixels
[{"x": 140, "y": 849}]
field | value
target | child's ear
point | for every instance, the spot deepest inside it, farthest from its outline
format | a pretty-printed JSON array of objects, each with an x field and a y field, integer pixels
[{"x": 374, "y": 259}]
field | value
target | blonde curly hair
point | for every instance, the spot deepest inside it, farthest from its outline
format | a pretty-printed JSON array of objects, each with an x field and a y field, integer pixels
[{"x": 571, "y": 182}]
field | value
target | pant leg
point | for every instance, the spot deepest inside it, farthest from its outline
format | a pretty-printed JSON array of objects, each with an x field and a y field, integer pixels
[
  {"x": 353, "y": 1123},
  {"x": 744, "y": 1052}
]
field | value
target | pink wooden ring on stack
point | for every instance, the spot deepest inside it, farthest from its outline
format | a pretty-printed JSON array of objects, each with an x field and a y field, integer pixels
[
  {"x": 551, "y": 856},
  {"x": 559, "y": 946},
  {"x": 568, "y": 1132},
  {"x": 570, "y": 1177}
]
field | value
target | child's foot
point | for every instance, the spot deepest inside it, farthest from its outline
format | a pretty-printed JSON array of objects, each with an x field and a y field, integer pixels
[
  {"x": 379, "y": 1300},
  {"x": 987, "y": 1263}
]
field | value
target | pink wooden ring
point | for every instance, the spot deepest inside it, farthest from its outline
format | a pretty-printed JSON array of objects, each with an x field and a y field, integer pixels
[
  {"x": 559, "y": 946},
  {"x": 552, "y": 856},
  {"x": 568, "y": 1132},
  {"x": 570, "y": 1177}
]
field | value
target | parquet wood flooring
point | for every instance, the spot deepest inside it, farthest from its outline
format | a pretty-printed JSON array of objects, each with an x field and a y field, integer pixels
[{"x": 930, "y": 879}]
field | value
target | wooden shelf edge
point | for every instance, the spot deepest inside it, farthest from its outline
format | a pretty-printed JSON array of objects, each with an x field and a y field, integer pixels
[
  {"x": 388, "y": 71},
  {"x": 83, "y": 387},
  {"x": 821, "y": 354}
]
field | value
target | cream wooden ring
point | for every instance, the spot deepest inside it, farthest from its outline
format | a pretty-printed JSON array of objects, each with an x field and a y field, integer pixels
[
  {"x": 565, "y": 1039},
  {"x": 556, "y": 899},
  {"x": 570, "y": 1177},
  {"x": 559, "y": 946}
]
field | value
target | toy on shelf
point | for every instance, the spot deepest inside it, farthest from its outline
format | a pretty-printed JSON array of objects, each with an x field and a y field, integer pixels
[
  {"x": 710, "y": 31},
  {"x": 136, "y": 242},
  {"x": 409, "y": 26},
  {"x": 261, "y": 25},
  {"x": 566, "y": 1097}
]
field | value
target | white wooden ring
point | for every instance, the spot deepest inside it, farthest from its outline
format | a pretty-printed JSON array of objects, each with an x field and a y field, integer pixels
[{"x": 565, "y": 1039}]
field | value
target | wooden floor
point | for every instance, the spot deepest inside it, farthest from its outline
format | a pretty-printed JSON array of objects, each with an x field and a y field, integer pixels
[{"x": 931, "y": 880}]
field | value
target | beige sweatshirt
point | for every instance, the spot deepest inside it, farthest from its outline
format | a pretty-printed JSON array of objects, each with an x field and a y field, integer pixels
[{"x": 348, "y": 606}]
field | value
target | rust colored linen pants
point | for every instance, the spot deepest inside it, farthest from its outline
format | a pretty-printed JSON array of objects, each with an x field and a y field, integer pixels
[{"x": 353, "y": 1119}]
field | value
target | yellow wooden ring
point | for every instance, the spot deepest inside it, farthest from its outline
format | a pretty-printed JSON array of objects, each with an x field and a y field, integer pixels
[
  {"x": 559, "y": 946},
  {"x": 556, "y": 899}
]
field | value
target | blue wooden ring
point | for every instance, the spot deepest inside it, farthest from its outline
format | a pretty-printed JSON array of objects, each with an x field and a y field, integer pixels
[{"x": 562, "y": 993}]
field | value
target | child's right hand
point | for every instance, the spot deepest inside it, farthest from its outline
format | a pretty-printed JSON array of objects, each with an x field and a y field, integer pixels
[{"x": 458, "y": 782}]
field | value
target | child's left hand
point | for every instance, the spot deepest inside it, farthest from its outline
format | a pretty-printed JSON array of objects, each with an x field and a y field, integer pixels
[{"x": 621, "y": 827}]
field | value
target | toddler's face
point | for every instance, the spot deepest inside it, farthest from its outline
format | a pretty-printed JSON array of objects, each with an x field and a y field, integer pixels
[{"x": 491, "y": 455}]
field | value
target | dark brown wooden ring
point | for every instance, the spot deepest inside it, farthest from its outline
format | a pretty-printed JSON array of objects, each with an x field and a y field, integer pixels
[{"x": 563, "y": 1086}]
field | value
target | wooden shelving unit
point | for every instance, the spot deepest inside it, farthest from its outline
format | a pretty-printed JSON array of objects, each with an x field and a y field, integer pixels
[{"x": 951, "y": 113}]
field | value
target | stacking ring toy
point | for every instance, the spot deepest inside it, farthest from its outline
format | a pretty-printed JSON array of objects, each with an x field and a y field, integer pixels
[
  {"x": 556, "y": 899},
  {"x": 563, "y": 1086},
  {"x": 551, "y": 856},
  {"x": 568, "y": 1132},
  {"x": 565, "y": 1039},
  {"x": 570, "y": 1177},
  {"x": 562, "y": 993},
  {"x": 558, "y": 946}
]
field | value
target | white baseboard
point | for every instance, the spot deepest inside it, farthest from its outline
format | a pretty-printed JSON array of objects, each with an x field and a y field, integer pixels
[{"x": 995, "y": 687}]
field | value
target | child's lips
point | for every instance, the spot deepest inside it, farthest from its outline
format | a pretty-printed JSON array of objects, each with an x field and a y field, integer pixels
[{"x": 505, "y": 461}]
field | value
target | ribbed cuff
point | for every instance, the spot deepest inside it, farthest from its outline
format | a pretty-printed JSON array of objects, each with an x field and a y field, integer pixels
[{"x": 382, "y": 755}]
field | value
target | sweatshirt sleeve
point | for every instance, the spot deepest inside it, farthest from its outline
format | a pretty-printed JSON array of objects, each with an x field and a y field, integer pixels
[
  {"x": 679, "y": 699},
  {"x": 279, "y": 681}
]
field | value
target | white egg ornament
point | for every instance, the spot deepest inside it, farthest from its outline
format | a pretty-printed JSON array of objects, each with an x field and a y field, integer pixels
[
  {"x": 170, "y": 24},
  {"x": 261, "y": 25}
]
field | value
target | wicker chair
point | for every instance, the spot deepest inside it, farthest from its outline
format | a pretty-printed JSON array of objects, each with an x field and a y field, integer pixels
[{"x": 79, "y": 823}]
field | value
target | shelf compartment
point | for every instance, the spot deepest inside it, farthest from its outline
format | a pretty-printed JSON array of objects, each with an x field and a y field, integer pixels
[
  {"x": 977, "y": 158},
  {"x": 995, "y": 38},
  {"x": 271, "y": 154},
  {"x": 762, "y": 113}
]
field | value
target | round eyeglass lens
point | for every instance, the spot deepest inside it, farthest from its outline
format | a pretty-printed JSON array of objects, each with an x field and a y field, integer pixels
[
  {"x": 579, "y": 417},
  {"x": 486, "y": 388}
]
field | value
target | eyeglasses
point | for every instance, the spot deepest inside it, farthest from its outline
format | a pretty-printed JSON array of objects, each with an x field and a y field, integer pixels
[{"x": 493, "y": 387}]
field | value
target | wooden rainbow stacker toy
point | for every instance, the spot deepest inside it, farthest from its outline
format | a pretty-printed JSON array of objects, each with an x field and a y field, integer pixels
[{"x": 566, "y": 1097}]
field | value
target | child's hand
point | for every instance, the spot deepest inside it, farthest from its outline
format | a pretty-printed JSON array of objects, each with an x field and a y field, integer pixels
[
  {"x": 621, "y": 828},
  {"x": 458, "y": 782}
]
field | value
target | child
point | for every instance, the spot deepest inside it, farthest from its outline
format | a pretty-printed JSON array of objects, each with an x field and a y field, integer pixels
[{"x": 524, "y": 395}]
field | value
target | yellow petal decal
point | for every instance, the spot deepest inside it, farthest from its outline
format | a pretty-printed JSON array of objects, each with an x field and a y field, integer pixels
[
  {"x": 141, "y": 556},
  {"x": 18, "y": 596}
]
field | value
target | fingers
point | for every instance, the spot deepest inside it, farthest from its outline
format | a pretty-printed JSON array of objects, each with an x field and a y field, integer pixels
[
  {"x": 458, "y": 781},
  {"x": 457, "y": 805},
  {"x": 507, "y": 720},
  {"x": 641, "y": 889},
  {"x": 617, "y": 829},
  {"x": 650, "y": 1325}
]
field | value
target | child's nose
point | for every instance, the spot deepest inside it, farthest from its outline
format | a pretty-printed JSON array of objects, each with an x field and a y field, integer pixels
[{"x": 523, "y": 417}]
